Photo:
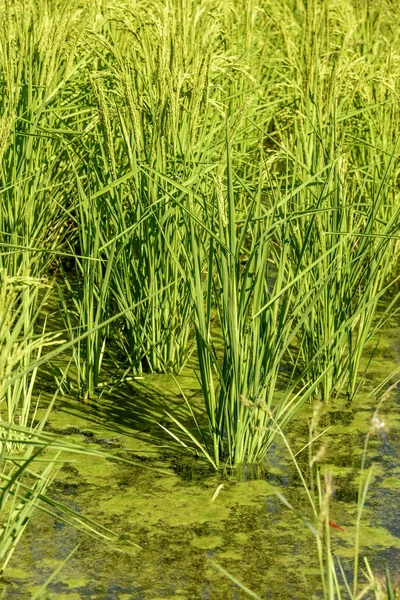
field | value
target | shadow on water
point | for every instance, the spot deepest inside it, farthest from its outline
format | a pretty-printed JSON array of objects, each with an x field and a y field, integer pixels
[
  {"x": 172, "y": 517},
  {"x": 136, "y": 410}
]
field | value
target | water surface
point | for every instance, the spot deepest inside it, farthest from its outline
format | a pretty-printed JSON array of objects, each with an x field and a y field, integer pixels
[{"x": 164, "y": 502}]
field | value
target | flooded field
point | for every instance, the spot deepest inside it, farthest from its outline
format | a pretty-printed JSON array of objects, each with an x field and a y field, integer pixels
[
  {"x": 165, "y": 504},
  {"x": 199, "y": 299}
]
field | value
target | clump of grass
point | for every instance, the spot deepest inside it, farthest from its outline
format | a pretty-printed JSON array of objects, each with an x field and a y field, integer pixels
[
  {"x": 340, "y": 247},
  {"x": 20, "y": 345},
  {"x": 335, "y": 159},
  {"x": 85, "y": 294},
  {"x": 38, "y": 64},
  {"x": 149, "y": 125},
  {"x": 247, "y": 317}
]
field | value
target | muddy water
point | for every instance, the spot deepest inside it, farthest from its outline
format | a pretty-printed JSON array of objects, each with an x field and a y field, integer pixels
[{"x": 164, "y": 502}]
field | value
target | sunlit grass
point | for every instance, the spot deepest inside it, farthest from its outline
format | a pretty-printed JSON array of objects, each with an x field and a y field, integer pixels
[{"x": 201, "y": 179}]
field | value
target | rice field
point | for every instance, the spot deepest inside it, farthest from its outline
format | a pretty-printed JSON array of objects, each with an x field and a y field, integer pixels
[{"x": 199, "y": 273}]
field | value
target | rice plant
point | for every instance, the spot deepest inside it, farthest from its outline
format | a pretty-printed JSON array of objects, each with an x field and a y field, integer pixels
[
  {"x": 144, "y": 134},
  {"x": 336, "y": 164},
  {"x": 84, "y": 294},
  {"x": 29, "y": 458},
  {"x": 38, "y": 62},
  {"x": 239, "y": 274},
  {"x": 334, "y": 242},
  {"x": 20, "y": 346},
  {"x": 202, "y": 179}
]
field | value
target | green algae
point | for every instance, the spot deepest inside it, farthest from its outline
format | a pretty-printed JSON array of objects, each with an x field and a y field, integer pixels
[
  {"x": 241, "y": 537},
  {"x": 61, "y": 596},
  {"x": 391, "y": 483},
  {"x": 74, "y": 582},
  {"x": 336, "y": 471},
  {"x": 168, "y": 501},
  {"x": 207, "y": 542},
  {"x": 372, "y": 538},
  {"x": 176, "y": 523}
]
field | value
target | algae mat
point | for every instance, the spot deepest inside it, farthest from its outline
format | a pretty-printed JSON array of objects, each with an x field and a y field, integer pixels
[{"x": 164, "y": 504}]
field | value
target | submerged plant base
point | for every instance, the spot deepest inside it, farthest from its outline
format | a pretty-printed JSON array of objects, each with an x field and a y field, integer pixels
[{"x": 177, "y": 523}]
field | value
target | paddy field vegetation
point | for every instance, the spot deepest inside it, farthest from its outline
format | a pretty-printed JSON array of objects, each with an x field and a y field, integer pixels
[{"x": 196, "y": 185}]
